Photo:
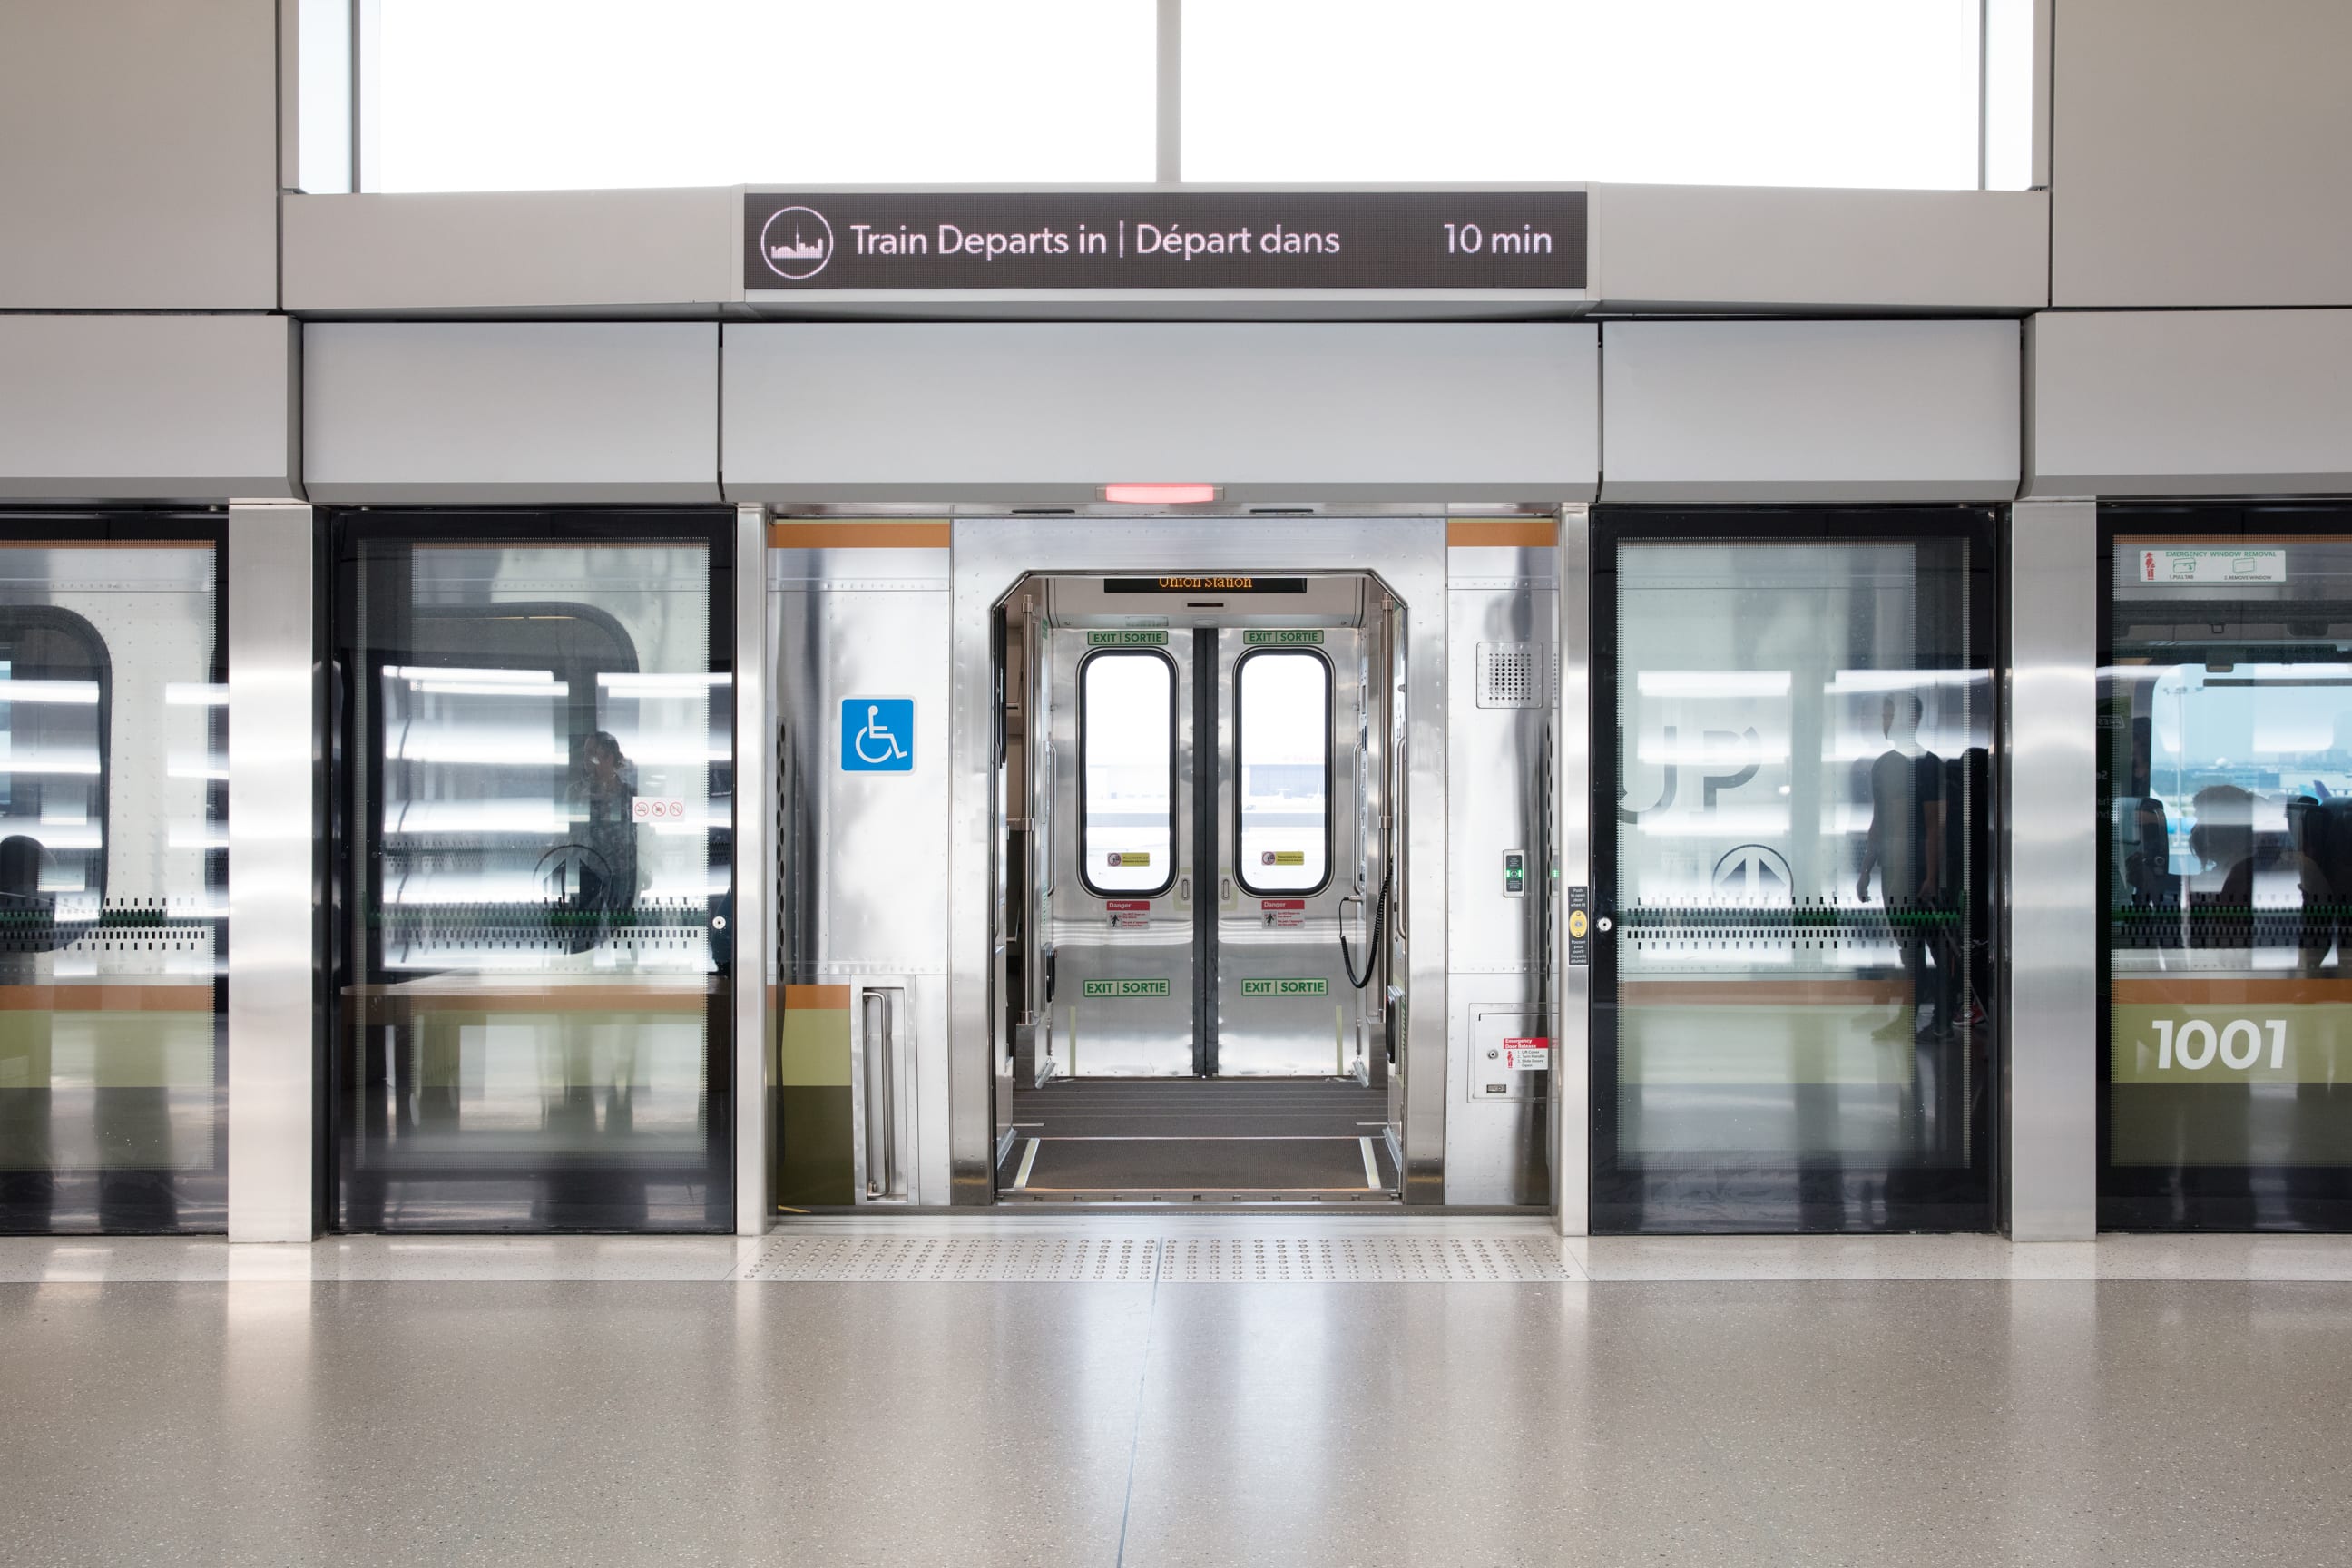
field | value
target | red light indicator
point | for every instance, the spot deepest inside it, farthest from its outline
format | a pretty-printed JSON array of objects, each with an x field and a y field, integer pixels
[{"x": 1160, "y": 495}]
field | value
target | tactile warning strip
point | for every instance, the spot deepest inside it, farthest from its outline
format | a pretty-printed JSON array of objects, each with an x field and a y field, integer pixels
[
  {"x": 1440, "y": 1261},
  {"x": 947, "y": 1259},
  {"x": 1140, "y": 1258}
]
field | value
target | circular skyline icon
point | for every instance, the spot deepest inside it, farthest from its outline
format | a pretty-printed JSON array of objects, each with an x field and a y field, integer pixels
[{"x": 796, "y": 243}]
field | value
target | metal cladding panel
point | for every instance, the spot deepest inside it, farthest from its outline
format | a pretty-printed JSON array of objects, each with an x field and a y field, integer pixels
[
  {"x": 862, "y": 854},
  {"x": 1812, "y": 411},
  {"x": 142, "y": 408},
  {"x": 511, "y": 412},
  {"x": 2178, "y": 402},
  {"x": 273, "y": 836},
  {"x": 2200, "y": 154},
  {"x": 661, "y": 251},
  {"x": 1496, "y": 1143},
  {"x": 138, "y": 155},
  {"x": 2050, "y": 756},
  {"x": 1049, "y": 411},
  {"x": 1703, "y": 246}
]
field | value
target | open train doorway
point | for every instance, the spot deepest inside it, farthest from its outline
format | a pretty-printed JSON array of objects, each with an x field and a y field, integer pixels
[{"x": 1199, "y": 932}]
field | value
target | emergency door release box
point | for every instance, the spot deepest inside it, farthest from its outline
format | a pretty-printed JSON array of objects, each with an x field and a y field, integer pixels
[{"x": 1510, "y": 1049}]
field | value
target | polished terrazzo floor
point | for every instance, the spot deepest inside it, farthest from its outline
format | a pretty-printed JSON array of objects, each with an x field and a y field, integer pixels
[{"x": 1896, "y": 1401}]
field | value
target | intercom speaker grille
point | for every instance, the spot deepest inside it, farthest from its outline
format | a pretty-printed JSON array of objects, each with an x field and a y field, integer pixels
[{"x": 1514, "y": 673}]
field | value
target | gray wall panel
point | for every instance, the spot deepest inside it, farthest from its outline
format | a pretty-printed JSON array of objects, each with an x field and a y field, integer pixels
[
  {"x": 549, "y": 250},
  {"x": 2190, "y": 402},
  {"x": 2200, "y": 154},
  {"x": 511, "y": 412},
  {"x": 139, "y": 155},
  {"x": 1046, "y": 411},
  {"x": 1713, "y": 246},
  {"x": 131, "y": 407},
  {"x": 1813, "y": 411}
]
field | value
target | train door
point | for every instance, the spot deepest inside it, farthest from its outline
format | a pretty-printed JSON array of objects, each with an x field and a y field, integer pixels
[
  {"x": 1793, "y": 992},
  {"x": 1201, "y": 774},
  {"x": 1208, "y": 858}
]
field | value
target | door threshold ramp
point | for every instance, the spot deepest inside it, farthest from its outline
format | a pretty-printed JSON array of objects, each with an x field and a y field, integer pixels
[{"x": 1163, "y": 1197}]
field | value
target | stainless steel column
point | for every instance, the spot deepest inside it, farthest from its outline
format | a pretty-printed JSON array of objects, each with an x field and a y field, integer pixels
[
  {"x": 1571, "y": 1071},
  {"x": 274, "y": 759},
  {"x": 755, "y": 870},
  {"x": 2050, "y": 755}
]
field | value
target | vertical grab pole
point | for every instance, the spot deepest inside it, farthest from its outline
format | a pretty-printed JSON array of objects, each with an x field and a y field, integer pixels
[
  {"x": 874, "y": 1030},
  {"x": 754, "y": 874},
  {"x": 1571, "y": 1075}
]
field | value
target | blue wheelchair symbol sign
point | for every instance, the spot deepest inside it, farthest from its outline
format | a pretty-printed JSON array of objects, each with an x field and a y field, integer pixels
[{"x": 877, "y": 734}]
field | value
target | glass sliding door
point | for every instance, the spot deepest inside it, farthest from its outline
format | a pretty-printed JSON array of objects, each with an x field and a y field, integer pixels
[
  {"x": 113, "y": 873},
  {"x": 2225, "y": 731},
  {"x": 1794, "y": 996},
  {"x": 534, "y": 827}
]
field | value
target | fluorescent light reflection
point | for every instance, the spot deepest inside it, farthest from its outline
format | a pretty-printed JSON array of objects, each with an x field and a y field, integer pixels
[
  {"x": 1712, "y": 682},
  {"x": 1847, "y": 681},
  {"x": 59, "y": 693}
]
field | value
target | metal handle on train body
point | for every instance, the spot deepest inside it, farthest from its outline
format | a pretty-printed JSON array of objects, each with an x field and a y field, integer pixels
[{"x": 883, "y": 1176}]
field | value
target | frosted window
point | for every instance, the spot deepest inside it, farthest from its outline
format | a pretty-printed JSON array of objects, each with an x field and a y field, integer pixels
[
  {"x": 1801, "y": 92},
  {"x": 1286, "y": 768},
  {"x": 564, "y": 94},
  {"x": 1127, "y": 752}
]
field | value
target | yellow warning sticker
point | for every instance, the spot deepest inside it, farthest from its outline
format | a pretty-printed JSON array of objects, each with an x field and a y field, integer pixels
[
  {"x": 1283, "y": 857},
  {"x": 1130, "y": 858}
]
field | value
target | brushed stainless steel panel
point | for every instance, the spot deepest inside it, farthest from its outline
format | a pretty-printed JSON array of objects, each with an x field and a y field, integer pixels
[
  {"x": 1260, "y": 939},
  {"x": 2051, "y": 753},
  {"x": 754, "y": 942},
  {"x": 859, "y": 858},
  {"x": 1571, "y": 1159},
  {"x": 1123, "y": 1036},
  {"x": 273, "y": 837},
  {"x": 1498, "y": 1122}
]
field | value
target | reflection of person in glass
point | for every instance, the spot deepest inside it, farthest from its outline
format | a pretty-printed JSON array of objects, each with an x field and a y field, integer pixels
[
  {"x": 2223, "y": 839},
  {"x": 599, "y": 1053},
  {"x": 604, "y": 799},
  {"x": 1906, "y": 847}
]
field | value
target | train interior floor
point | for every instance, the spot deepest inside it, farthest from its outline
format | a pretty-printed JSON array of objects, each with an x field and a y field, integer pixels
[
  {"x": 850, "y": 1391},
  {"x": 1199, "y": 1140}
]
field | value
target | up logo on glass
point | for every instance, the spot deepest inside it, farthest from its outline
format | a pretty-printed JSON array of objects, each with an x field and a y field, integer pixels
[{"x": 877, "y": 734}]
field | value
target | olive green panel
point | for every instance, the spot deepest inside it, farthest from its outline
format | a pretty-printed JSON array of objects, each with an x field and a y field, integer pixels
[
  {"x": 106, "y": 1049},
  {"x": 812, "y": 1048}
]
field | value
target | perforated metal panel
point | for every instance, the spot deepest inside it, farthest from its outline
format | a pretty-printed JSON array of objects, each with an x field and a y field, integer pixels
[
  {"x": 1140, "y": 1258},
  {"x": 1514, "y": 673}
]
